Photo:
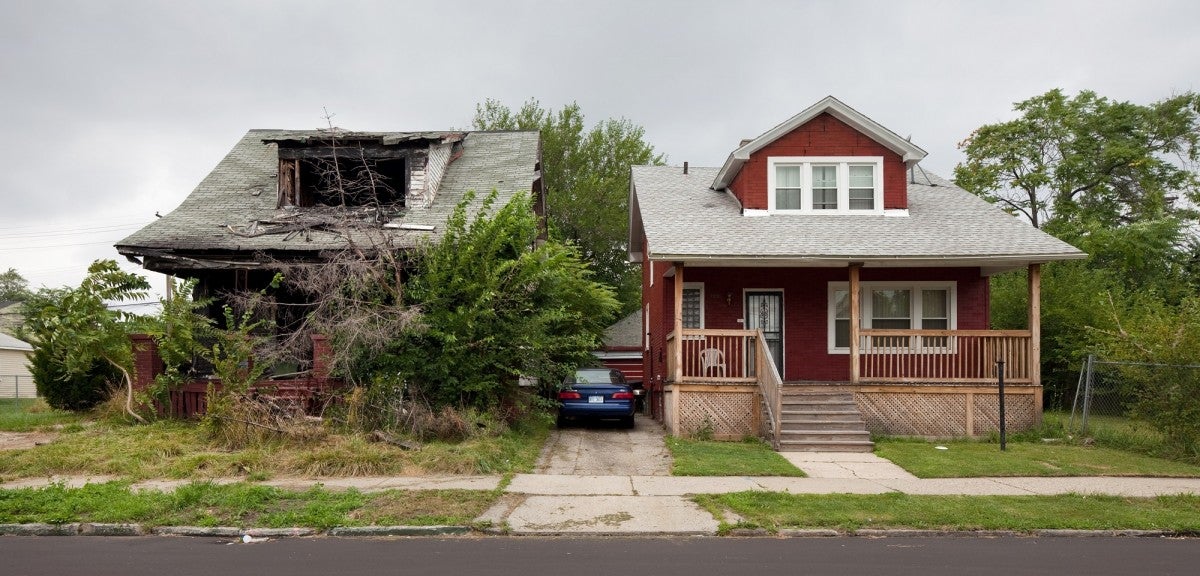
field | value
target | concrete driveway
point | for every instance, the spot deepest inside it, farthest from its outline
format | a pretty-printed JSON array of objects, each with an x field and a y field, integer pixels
[{"x": 606, "y": 449}]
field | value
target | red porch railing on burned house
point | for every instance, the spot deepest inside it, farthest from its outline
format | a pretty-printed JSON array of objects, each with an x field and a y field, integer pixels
[
  {"x": 944, "y": 356},
  {"x": 308, "y": 390}
]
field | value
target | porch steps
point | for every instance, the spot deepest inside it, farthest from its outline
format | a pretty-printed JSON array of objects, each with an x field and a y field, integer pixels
[{"x": 813, "y": 420}]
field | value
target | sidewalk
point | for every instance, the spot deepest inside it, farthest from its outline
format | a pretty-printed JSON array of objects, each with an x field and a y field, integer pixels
[{"x": 545, "y": 504}]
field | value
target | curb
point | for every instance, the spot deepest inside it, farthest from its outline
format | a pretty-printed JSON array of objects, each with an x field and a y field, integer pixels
[
  {"x": 1109, "y": 533},
  {"x": 125, "y": 530},
  {"x": 399, "y": 530}
]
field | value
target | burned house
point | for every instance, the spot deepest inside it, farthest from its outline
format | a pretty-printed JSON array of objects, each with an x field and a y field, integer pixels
[{"x": 284, "y": 197}]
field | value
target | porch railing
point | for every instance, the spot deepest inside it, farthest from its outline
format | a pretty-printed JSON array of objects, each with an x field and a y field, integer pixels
[
  {"x": 770, "y": 383},
  {"x": 951, "y": 356},
  {"x": 722, "y": 356}
]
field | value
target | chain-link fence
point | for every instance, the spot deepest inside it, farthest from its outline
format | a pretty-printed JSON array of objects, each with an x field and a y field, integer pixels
[
  {"x": 17, "y": 386},
  {"x": 1124, "y": 397}
]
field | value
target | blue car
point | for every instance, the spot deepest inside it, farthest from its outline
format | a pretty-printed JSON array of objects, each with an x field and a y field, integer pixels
[{"x": 596, "y": 393}]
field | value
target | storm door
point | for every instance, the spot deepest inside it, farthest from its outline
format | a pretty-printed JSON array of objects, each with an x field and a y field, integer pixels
[{"x": 764, "y": 311}]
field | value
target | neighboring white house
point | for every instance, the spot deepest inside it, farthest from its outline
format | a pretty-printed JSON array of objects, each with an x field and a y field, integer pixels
[{"x": 15, "y": 379}]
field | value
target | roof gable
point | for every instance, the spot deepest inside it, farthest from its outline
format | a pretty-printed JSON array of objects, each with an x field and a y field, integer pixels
[{"x": 909, "y": 152}]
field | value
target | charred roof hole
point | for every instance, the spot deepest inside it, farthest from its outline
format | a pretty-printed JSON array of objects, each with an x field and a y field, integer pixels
[{"x": 346, "y": 175}]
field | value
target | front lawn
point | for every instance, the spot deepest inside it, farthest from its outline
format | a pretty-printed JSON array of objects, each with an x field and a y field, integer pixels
[
  {"x": 241, "y": 505},
  {"x": 175, "y": 449},
  {"x": 29, "y": 414},
  {"x": 709, "y": 458},
  {"x": 774, "y": 511},
  {"x": 962, "y": 459}
]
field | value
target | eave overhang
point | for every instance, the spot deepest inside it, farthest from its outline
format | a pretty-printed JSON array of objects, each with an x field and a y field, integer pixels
[
  {"x": 989, "y": 265},
  {"x": 909, "y": 152}
]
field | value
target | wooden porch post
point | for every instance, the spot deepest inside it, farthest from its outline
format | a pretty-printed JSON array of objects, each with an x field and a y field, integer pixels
[
  {"x": 855, "y": 321},
  {"x": 677, "y": 350},
  {"x": 1035, "y": 337}
]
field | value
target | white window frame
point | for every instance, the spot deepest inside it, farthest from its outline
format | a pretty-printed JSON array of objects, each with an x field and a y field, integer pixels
[
  {"x": 865, "y": 303},
  {"x": 843, "y": 164}
]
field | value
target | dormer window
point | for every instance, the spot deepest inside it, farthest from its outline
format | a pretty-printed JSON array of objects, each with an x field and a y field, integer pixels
[
  {"x": 347, "y": 172},
  {"x": 830, "y": 185}
]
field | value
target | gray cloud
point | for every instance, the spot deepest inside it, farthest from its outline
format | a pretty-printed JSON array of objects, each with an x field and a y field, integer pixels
[{"x": 115, "y": 110}]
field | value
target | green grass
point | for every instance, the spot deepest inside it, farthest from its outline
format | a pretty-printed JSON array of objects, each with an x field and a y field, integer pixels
[
  {"x": 30, "y": 414},
  {"x": 174, "y": 449},
  {"x": 774, "y": 511},
  {"x": 963, "y": 459},
  {"x": 710, "y": 458},
  {"x": 242, "y": 505}
]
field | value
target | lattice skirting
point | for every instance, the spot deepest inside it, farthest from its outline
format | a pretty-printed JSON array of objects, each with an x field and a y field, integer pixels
[
  {"x": 722, "y": 412},
  {"x": 945, "y": 412}
]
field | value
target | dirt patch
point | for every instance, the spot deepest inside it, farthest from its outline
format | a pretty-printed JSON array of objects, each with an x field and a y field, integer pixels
[{"x": 25, "y": 440}]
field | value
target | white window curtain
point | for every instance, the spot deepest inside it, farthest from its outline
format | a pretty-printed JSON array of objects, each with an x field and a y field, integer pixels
[
  {"x": 788, "y": 182},
  {"x": 825, "y": 187},
  {"x": 862, "y": 187}
]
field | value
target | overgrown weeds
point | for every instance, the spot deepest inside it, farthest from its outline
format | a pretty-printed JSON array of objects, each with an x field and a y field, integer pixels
[{"x": 175, "y": 449}]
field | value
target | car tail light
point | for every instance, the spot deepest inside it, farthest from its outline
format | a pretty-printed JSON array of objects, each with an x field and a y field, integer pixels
[
  {"x": 569, "y": 395},
  {"x": 622, "y": 396}
]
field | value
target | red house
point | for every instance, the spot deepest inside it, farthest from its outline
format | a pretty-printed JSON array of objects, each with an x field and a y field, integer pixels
[{"x": 820, "y": 285}]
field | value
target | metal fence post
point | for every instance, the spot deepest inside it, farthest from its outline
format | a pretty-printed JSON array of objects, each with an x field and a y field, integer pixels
[{"x": 1087, "y": 394}]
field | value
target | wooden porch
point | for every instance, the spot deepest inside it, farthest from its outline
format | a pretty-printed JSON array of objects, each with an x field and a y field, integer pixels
[{"x": 712, "y": 366}]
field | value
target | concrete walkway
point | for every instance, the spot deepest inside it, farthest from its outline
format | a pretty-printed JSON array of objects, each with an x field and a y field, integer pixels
[
  {"x": 636, "y": 504},
  {"x": 544, "y": 504}
]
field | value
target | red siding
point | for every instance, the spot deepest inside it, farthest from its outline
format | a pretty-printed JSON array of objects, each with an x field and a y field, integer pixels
[
  {"x": 821, "y": 136},
  {"x": 805, "y": 301},
  {"x": 632, "y": 368}
]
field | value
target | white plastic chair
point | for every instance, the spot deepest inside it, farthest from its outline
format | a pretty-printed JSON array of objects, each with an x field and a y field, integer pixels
[{"x": 712, "y": 358}]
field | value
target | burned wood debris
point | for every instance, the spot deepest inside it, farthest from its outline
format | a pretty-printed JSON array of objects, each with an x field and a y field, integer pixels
[{"x": 294, "y": 222}]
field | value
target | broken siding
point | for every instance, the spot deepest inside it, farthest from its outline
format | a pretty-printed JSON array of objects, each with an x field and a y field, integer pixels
[{"x": 436, "y": 164}]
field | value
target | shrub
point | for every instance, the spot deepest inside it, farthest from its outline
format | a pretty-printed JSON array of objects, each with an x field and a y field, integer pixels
[{"x": 75, "y": 391}]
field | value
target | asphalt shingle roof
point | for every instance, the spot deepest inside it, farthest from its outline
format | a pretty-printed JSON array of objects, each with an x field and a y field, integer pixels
[
  {"x": 683, "y": 218},
  {"x": 243, "y": 188},
  {"x": 626, "y": 332}
]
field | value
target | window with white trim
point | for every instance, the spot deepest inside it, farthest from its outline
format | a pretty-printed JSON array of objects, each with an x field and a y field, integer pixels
[
  {"x": 893, "y": 306},
  {"x": 825, "y": 185}
]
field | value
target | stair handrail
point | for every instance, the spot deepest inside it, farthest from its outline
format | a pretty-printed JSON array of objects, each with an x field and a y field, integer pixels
[{"x": 771, "y": 385}]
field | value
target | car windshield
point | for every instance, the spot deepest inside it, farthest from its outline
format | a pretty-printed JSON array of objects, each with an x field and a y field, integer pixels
[{"x": 594, "y": 376}]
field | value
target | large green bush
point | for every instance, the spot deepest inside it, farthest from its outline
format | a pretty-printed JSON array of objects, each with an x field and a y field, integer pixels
[
  {"x": 496, "y": 304},
  {"x": 75, "y": 391},
  {"x": 1162, "y": 343}
]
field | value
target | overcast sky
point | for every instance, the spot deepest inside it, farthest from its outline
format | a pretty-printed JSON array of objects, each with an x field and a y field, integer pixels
[{"x": 116, "y": 110}]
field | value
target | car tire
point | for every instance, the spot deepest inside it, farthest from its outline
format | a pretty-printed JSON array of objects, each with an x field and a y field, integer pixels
[
  {"x": 560, "y": 421},
  {"x": 627, "y": 421}
]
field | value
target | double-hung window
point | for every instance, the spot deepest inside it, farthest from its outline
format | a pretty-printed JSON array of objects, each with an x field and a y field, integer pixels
[
  {"x": 894, "y": 306},
  {"x": 825, "y": 185}
]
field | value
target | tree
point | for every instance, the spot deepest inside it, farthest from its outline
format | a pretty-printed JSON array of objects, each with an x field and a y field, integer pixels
[
  {"x": 80, "y": 345},
  {"x": 496, "y": 305},
  {"x": 586, "y": 177},
  {"x": 1088, "y": 158},
  {"x": 13, "y": 286}
]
